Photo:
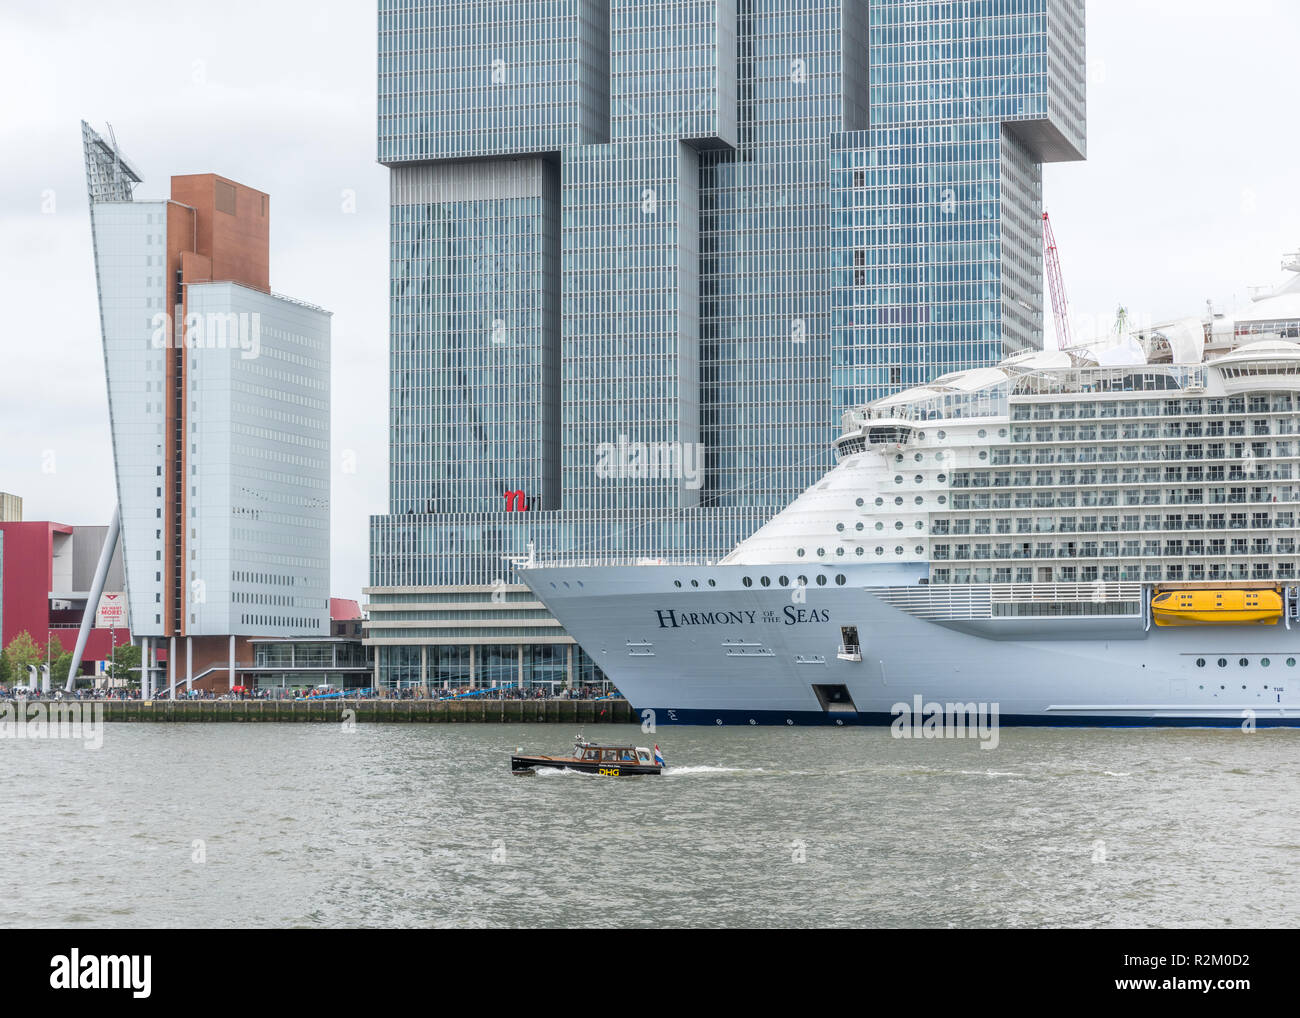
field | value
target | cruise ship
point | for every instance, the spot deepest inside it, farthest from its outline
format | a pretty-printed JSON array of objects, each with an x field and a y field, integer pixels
[{"x": 1101, "y": 535}]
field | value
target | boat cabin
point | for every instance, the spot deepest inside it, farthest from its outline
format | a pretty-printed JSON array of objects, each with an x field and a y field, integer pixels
[{"x": 613, "y": 754}]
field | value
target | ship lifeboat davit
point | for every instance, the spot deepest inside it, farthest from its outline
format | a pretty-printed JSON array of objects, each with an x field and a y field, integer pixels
[{"x": 1223, "y": 607}]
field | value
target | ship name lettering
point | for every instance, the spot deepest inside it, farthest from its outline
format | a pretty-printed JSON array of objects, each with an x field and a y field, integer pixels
[
  {"x": 670, "y": 618},
  {"x": 795, "y": 615}
]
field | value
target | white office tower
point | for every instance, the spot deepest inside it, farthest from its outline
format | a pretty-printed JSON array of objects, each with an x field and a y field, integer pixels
[{"x": 219, "y": 409}]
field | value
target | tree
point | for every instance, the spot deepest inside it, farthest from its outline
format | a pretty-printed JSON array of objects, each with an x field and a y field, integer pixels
[
  {"x": 125, "y": 657},
  {"x": 60, "y": 661},
  {"x": 21, "y": 652}
]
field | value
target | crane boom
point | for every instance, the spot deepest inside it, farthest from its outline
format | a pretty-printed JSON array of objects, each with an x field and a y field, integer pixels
[{"x": 1056, "y": 284}]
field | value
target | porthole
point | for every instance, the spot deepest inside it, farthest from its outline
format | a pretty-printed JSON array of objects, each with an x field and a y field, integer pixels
[
  {"x": 803, "y": 581},
  {"x": 677, "y": 583},
  {"x": 765, "y": 581},
  {"x": 859, "y": 503},
  {"x": 918, "y": 457},
  {"x": 1223, "y": 662},
  {"x": 898, "y": 458},
  {"x": 880, "y": 501},
  {"x": 943, "y": 499},
  {"x": 839, "y": 527},
  {"x": 1243, "y": 662},
  {"x": 898, "y": 525},
  {"x": 880, "y": 551},
  {"x": 1002, "y": 432},
  {"x": 898, "y": 479},
  {"x": 920, "y": 550},
  {"x": 860, "y": 525},
  {"x": 840, "y": 579},
  {"x": 942, "y": 435},
  {"x": 918, "y": 479},
  {"x": 879, "y": 525},
  {"x": 920, "y": 524},
  {"x": 783, "y": 580},
  {"x": 713, "y": 583},
  {"x": 938, "y": 457},
  {"x": 919, "y": 499},
  {"x": 839, "y": 550},
  {"x": 800, "y": 553},
  {"x": 859, "y": 550},
  {"x": 1263, "y": 662},
  {"x": 898, "y": 500},
  {"x": 943, "y": 478},
  {"x": 898, "y": 550},
  {"x": 1200, "y": 662},
  {"x": 747, "y": 581},
  {"x": 921, "y": 435},
  {"x": 695, "y": 583},
  {"x": 982, "y": 433},
  {"x": 1290, "y": 662},
  {"x": 983, "y": 454},
  {"x": 821, "y": 552}
]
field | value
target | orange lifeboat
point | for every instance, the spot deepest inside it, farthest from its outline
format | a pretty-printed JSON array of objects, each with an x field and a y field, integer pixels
[{"x": 1224, "y": 607}]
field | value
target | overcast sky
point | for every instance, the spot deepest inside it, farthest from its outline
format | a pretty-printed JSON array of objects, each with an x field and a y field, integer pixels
[{"x": 1189, "y": 193}]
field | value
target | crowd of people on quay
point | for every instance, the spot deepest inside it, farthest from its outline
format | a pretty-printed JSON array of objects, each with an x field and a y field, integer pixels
[{"x": 539, "y": 692}]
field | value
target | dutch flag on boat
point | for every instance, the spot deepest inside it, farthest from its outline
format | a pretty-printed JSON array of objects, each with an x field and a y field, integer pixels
[{"x": 659, "y": 758}]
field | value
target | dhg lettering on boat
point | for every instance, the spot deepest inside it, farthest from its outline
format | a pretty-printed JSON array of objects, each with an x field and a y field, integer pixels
[
  {"x": 920, "y": 720},
  {"x": 72, "y": 971}
]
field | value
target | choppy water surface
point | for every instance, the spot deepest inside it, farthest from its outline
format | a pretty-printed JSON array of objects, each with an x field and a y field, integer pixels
[{"x": 387, "y": 825}]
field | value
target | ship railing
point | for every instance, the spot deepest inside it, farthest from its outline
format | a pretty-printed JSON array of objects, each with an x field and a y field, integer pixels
[
  {"x": 562, "y": 561},
  {"x": 984, "y": 601}
]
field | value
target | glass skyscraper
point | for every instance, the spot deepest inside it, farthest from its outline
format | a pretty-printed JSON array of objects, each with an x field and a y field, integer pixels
[{"x": 644, "y": 253}]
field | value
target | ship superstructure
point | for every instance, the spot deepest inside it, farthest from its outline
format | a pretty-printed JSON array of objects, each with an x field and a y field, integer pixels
[{"x": 1080, "y": 535}]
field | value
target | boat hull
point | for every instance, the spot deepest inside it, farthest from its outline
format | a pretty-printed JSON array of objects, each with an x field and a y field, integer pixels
[
  {"x": 696, "y": 645},
  {"x": 612, "y": 769}
]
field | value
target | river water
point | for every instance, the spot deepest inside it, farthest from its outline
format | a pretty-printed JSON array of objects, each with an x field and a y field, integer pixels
[{"x": 423, "y": 825}]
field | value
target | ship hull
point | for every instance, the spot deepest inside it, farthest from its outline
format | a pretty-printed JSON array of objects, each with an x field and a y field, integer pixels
[{"x": 696, "y": 645}]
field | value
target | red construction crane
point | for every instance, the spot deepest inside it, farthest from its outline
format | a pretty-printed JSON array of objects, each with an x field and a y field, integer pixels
[{"x": 1056, "y": 283}]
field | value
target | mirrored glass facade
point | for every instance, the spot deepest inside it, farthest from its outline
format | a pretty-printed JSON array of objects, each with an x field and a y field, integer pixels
[{"x": 702, "y": 229}]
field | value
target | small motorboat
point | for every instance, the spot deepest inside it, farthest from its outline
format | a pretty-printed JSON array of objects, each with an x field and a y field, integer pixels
[{"x": 589, "y": 758}]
